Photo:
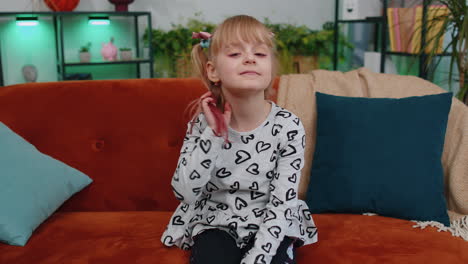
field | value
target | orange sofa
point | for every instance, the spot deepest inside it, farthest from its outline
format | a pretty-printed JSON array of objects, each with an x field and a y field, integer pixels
[{"x": 126, "y": 135}]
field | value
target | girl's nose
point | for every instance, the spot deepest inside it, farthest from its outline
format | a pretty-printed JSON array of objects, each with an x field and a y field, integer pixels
[{"x": 249, "y": 59}]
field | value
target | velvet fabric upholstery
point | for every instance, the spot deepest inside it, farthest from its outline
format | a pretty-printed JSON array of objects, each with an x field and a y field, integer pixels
[
  {"x": 134, "y": 237},
  {"x": 126, "y": 135}
]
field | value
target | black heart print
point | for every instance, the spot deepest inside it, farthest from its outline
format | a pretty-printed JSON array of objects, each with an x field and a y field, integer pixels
[
  {"x": 206, "y": 163},
  {"x": 275, "y": 201},
  {"x": 253, "y": 169},
  {"x": 267, "y": 247},
  {"x": 275, "y": 129},
  {"x": 252, "y": 227},
  {"x": 222, "y": 206},
  {"x": 296, "y": 120},
  {"x": 267, "y": 123},
  {"x": 223, "y": 173},
  {"x": 184, "y": 207},
  {"x": 177, "y": 220},
  {"x": 210, "y": 219},
  {"x": 258, "y": 212},
  {"x": 272, "y": 187},
  {"x": 194, "y": 175},
  {"x": 290, "y": 194},
  {"x": 291, "y": 135},
  {"x": 242, "y": 156},
  {"x": 293, "y": 178},
  {"x": 234, "y": 187},
  {"x": 168, "y": 240},
  {"x": 288, "y": 215},
  {"x": 270, "y": 175},
  {"x": 246, "y": 139},
  {"x": 233, "y": 225},
  {"x": 311, "y": 231},
  {"x": 205, "y": 145},
  {"x": 288, "y": 151},
  {"x": 283, "y": 114},
  {"x": 178, "y": 195},
  {"x": 301, "y": 229},
  {"x": 275, "y": 231},
  {"x": 262, "y": 146},
  {"x": 227, "y": 145},
  {"x": 306, "y": 213},
  {"x": 296, "y": 164},
  {"x": 211, "y": 187},
  {"x": 196, "y": 190},
  {"x": 185, "y": 246},
  {"x": 260, "y": 259},
  {"x": 270, "y": 215},
  {"x": 255, "y": 195},
  {"x": 184, "y": 162},
  {"x": 240, "y": 203},
  {"x": 254, "y": 186},
  {"x": 273, "y": 156}
]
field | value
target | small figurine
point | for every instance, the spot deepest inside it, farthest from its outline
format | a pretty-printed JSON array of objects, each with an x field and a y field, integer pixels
[
  {"x": 109, "y": 50},
  {"x": 29, "y": 73}
]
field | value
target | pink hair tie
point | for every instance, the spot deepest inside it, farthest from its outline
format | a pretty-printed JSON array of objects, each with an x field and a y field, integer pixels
[{"x": 205, "y": 38}]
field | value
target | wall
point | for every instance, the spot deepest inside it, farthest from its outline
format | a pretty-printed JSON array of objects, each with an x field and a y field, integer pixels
[{"x": 312, "y": 13}]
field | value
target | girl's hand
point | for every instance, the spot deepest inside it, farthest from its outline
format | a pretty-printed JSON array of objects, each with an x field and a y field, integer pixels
[{"x": 207, "y": 100}]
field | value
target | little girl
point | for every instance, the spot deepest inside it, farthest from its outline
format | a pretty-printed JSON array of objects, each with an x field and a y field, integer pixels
[{"x": 240, "y": 164}]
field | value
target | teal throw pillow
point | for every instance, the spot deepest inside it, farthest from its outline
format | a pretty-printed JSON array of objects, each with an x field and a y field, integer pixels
[
  {"x": 32, "y": 186},
  {"x": 380, "y": 155}
]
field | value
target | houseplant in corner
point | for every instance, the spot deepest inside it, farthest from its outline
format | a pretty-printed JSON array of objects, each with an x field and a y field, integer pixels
[{"x": 455, "y": 24}]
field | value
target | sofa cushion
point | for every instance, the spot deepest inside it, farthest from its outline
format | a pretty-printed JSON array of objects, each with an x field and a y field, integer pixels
[
  {"x": 32, "y": 186},
  {"x": 134, "y": 237},
  {"x": 380, "y": 155}
]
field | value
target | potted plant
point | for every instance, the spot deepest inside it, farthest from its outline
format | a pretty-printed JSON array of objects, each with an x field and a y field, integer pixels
[
  {"x": 125, "y": 53},
  {"x": 172, "y": 48},
  {"x": 301, "y": 49},
  {"x": 455, "y": 24},
  {"x": 84, "y": 54}
]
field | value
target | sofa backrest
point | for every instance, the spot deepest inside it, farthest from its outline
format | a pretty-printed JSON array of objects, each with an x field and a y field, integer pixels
[{"x": 124, "y": 134}]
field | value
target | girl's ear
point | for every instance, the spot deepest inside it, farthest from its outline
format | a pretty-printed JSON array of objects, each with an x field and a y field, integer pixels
[{"x": 211, "y": 72}]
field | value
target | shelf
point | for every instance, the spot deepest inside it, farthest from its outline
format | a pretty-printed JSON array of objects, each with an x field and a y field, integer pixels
[
  {"x": 415, "y": 54},
  {"x": 74, "y": 13},
  {"x": 107, "y": 62},
  {"x": 367, "y": 20}
]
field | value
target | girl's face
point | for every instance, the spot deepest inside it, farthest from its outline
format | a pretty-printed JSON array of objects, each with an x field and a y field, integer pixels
[{"x": 242, "y": 67}]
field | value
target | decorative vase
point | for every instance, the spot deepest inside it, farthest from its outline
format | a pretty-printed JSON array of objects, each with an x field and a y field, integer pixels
[
  {"x": 121, "y": 5},
  {"x": 125, "y": 55},
  {"x": 109, "y": 51},
  {"x": 62, "y": 5},
  {"x": 85, "y": 57}
]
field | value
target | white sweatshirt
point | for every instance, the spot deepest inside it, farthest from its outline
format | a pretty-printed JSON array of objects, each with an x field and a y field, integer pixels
[{"x": 247, "y": 187}]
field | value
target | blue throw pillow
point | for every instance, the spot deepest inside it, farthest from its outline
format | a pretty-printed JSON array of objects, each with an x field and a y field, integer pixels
[
  {"x": 380, "y": 155},
  {"x": 32, "y": 186}
]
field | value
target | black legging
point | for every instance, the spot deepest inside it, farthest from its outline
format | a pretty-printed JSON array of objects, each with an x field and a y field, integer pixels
[{"x": 217, "y": 246}]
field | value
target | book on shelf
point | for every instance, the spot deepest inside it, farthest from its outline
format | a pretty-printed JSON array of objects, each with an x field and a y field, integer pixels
[{"x": 405, "y": 26}]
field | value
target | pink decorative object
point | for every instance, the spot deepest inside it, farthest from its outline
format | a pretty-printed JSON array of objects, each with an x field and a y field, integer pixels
[
  {"x": 121, "y": 5},
  {"x": 109, "y": 51}
]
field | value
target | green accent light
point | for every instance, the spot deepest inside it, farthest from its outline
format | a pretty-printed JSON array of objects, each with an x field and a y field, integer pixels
[
  {"x": 101, "y": 20},
  {"x": 27, "y": 21}
]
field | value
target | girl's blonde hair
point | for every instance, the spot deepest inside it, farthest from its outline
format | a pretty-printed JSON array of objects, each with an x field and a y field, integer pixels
[{"x": 232, "y": 30}]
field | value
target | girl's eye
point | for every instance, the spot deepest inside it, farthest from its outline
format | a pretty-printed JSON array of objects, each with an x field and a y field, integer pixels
[
  {"x": 234, "y": 54},
  {"x": 260, "y": 54}
]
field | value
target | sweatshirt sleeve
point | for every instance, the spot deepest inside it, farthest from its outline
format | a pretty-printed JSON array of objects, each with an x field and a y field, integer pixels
[
  {"x": 196, "y": 161},
  {"x": 283, "y": 195}
]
